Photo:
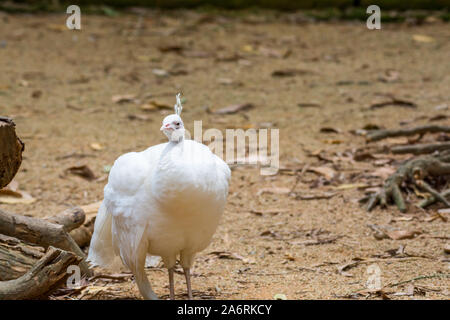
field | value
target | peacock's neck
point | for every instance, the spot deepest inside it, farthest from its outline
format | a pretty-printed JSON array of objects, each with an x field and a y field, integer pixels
[
  {"x": 176, "y": 136},
  {"x": 173, "y": 152}
]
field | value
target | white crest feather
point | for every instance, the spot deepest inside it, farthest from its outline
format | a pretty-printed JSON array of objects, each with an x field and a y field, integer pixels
[{"x": 178, "y": 107}]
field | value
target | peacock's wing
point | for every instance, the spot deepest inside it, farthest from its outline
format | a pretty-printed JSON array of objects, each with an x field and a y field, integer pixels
[{"x": 125, "y": 211}]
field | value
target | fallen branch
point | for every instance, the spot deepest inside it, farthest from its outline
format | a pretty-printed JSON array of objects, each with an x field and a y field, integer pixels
[
  {"x": 70, "y": 219},
  {"x": 45, "y": 276},
  {"x": 40, "y": 232},
  {"x": 83, "y": 234},
  {"x": 17, "y": 257},
  {"x": 376, "y": 135}
]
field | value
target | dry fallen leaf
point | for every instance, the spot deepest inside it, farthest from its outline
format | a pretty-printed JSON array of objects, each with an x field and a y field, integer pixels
[
  {"x": 123, "y": 98},
  {"x": 274, "y": 53},
  {"x": 363, "y": 155},
  {"x": 171, "y": 48},
  {"x": 229, "y": 82},
  {"x": 274, "y": 190},
  {"x": 309, "y": 105},
  {"x": 235, "y": 108},
  {"x": 231, "y": 255},
  {"x": 96, "y": 146},
  {"x": 402, "y": 234},
  {"x": 82, "y": 171},
  {"x": 389, "y": 75},
  {"x": 347, "y": 186},
  {"x": 333, "y": 141},
  {"x": 329, "y": 130},
  {"x": 422, "y": 38},
  {"x": 155, "y": 105},
  {"x": 10, "y": 196},
  {"x": 227, "y": 57},
  {"x": 261, "y": 212},
  {"x": 36, "y": 94},
  {"x": 160, "y": 72},
  {"x": 280, "y": 296},
  {"x": 291, "y": 72},
  {"x": 327, "y": 172},
  {"x": 142, "y": 117}
]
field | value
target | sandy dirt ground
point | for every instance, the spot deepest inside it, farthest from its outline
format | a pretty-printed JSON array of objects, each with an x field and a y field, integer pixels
[{"x": 59, "y": 85}]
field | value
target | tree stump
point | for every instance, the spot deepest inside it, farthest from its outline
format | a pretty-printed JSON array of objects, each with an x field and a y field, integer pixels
[{"x": 11, "y": 148}]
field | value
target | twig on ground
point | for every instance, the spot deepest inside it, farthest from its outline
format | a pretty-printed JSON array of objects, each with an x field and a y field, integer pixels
[
  {"x": 421, "y": 148},
  {"x": 376, "y": 135},
  {"x": 436, "y": 275}
]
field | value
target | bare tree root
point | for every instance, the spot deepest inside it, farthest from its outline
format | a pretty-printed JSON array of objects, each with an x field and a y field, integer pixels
[
  {"x": 431, "y": 200},
  {"x": 413, "y": 171},
  {"x": 376, "y": 135}
]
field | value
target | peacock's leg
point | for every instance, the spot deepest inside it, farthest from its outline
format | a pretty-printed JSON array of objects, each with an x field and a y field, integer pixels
[
  {"x": 187, "y": 274},
  {"x": 171, "y": 284}
]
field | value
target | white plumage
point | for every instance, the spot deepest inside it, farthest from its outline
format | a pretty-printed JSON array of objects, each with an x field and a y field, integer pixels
[{"x": 165, "y": 201}]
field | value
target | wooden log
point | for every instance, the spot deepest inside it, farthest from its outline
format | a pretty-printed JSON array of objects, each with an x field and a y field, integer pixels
[
  {"x": 83, "y": 234},
  {"x": 40, "y": 232},
  {"x": 17, "y": 257},
  {"x": 70, "y": 218},
  {"x": 11, "y": 148},
  {"x": 45, "y": 276}
]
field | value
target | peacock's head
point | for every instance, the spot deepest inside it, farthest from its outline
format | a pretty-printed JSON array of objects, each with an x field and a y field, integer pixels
[{"x": 173, "y": 127}]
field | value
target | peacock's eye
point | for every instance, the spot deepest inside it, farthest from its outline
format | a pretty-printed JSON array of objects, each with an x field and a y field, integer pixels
[{"x": 177, "y": 123}]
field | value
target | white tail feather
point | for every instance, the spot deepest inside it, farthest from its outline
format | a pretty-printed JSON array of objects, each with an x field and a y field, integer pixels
[{"x": 101, "y": 250}]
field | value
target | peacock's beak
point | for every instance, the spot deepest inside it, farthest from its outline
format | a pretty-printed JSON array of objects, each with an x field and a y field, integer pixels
[{"x": 166, "y": 127}]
